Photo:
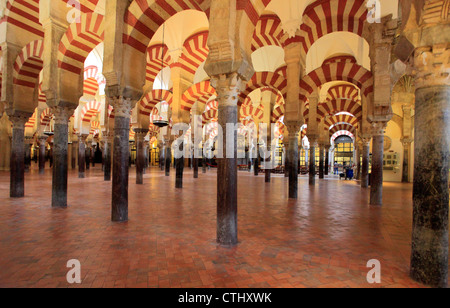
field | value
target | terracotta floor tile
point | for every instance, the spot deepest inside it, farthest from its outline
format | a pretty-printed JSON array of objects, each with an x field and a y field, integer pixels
[{"x": 323, "y": 239}]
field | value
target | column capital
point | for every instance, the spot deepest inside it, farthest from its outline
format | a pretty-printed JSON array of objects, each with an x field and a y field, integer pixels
[
  {"x": 431, "y": 65},
  {"x": 228, "y": 87},
  {"x": 378, "y": 128},
  {"x": 18, "y": 119},
  {"x": 62, "y": 114},
  {"x": 140, "y": 133},
  {"x": 406, "y": 141},
  {"x": 293, "y": 128},
  {"x": 122, "y": 106}
]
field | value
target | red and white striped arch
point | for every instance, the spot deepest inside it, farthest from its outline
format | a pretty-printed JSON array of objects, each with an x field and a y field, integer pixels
[
  {"x": 212, "y": 105},
  {"x": 268, "y": 32},
  {"x": 95, "y": 128},
  {"x": 90, "y": 110},
  {"x": 326, "y": 16},
  {"x": 32, "y": 121},
  {"x": 195, "y": 52},
  {"x": 152, "y": 98},
  {"x": 201, "y": 92},
  {"x": 342, "y": 118},
  {"x": 24, "y": 15},
  {"x": 153, "y": 131},
  {"x": 263, "y": 80},
  {"x": 342, "y": 133},
  {"x": 343, "y": 92},
  {"x": 90, "y": 86},
  {"x": 331, "y": 108},
  {"x": 340, "y": 71},
  {"x": 342, "y": 127},
  {"x": 41, "y": 96},
  {"x": 210, "y": 115},
  {"x": 29, "y": 64},
  {"x": 250, "y": 110},
  {"x": 156, "y": 54},
  {"x": 79, "y": 40},
  {"x": 46, "y": 117},
  {"x": 282, "y": 71},
  {"x": 144, "y": 17}
]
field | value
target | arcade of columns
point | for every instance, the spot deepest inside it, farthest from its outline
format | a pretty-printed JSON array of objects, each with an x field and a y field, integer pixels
[{"x": 413, "y": 53}]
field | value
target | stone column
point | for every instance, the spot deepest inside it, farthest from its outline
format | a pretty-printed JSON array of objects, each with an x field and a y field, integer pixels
[
  {"x": 17, "y": 173},
  {"x": 60, "y": 157},
  {"x": 162, "y": 156},
  {"x": 227, "y": 87},
  {"x": 294, "y": 130},
  {"x": 429, "y": 255},
  {"x": 82, "y": 157},
  {"x": 119, "y": 206},
  {"x": 27, "y": 148},
  {"x": 75, "y": 149},
  {"x": 358, "y": 161},
  {"x": 195, "y": 163},
  {"x": 376, "y": 185},
  {"x": 321, "y": 162},
  {"x": 88, "y": 154},
  {"x": 268, "y": 170},
  {"x": 179, "y": 162},
  {"x": 107, "y": 156},
  {"x": 42, "y": 148},
  {"x": 286, "y": 158},
  {"x": 168, "y": 157},
  {"x": 406, "y": 154},
  {"x": 312, "y": 160},
  {"x": 365, "y": 162},
  {"x": 327, "y": 159},
  {"x": 140, "y": 155},
  {"x": 256, "y": 161}
]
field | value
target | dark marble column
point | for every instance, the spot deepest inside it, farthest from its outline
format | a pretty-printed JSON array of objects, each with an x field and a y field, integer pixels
[
  {"x": 162, "y": 157},
  {"x": 406, "y": 154},
  {"x": 376, "y": 185},
  {"x": 82, "y": 157},
  {"x": 179, "y": 166},
  {"x": 42, "y": 148},
  {"x": 256, "y": 162},
  {"x": 27, "y": 149},
  {"x": 365, "y": 163},
  {"x": 107, "y": 157},
  {"x": 327, "y": 160},
  {"x": 268, "y": 170},
  {"x": 358, "y": 162},
  {"x": 140, "y": 155},
  {"x": 286, "y": 159},
  {"x": 121, "y": 155},
  {"x": 227, "y": 87},
  {"x": 429, "y": 256},
  {"x": 88, "y": 155},
  {"x": 312, "y": 163},
  {"x": 17, "y": 173},
  {"x": 60, "y": 157},
  {"x": 204, "y": 163},
  {"x": 195, "y": 162},
  {"x": 293, "y": 159},
  {"x": 321, "y": 162},
  {"x": 168, "y": 158},
  {"x": 75, "y": 150}
]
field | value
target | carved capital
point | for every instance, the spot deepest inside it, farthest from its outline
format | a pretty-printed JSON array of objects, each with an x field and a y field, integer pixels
[
  {"x": 62, "y": 114},
  {"x": 378, "y": 128},
  {"x": 228, "y": 87},
  {"x": 19, "y": 119},
  {"x": 406, "y": 141},
  {"x": 122, "y": 106},
  {"x": 140, "y": 133},
  {"x": 431, "y": 66}
]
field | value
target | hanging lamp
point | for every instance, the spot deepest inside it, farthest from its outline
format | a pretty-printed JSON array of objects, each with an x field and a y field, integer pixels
[{"x": 162, "y": 122}]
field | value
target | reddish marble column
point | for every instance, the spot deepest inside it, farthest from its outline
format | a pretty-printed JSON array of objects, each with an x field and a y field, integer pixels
[
  {"x": 17, "y": 173},
  {"x": 365, "y": 163},
  {"x": 42, "y": 148},
  {"x": 321, "y": 162},
  {"x": 82, "y": 157},
  {"x": 75, "y": 150},
  {"x": 119, "y": 204},
  {"x": 429, "y": 255},
  {"x": 60, "y": 157},
  {"x": 140, "y": 155},
  {"x": 376, "y": 185}
]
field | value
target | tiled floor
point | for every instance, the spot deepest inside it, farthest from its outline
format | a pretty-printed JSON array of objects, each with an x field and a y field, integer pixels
[{"x": 324, "y": 239}]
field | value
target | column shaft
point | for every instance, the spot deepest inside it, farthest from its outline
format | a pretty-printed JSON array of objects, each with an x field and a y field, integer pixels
[
  {"x": 321, "y": 162},
  {"x": 365, "y": 165},
  {"x": 17, "y": 174},
  {"x": 312, "y": 164},
  {"x": 82, "y": 158},
  {"x": 293, "y": 165},
  {"x": 107, "y": 160},
  {"x": 179, "y": 165},
  {"x": 376, "y": 187},
  {"x": 429, "y": 256},
  {"x": 42, "y": 144}
]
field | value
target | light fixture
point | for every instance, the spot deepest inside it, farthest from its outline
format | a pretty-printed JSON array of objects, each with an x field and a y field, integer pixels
[{"x": 161, "y": 122}]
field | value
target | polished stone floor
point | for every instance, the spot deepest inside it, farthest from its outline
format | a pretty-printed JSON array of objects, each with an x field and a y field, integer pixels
[{"x": 324, "y": 239}]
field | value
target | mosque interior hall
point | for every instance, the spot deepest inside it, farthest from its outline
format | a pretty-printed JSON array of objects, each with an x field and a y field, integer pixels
[{"x": 224, "y": 143}]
